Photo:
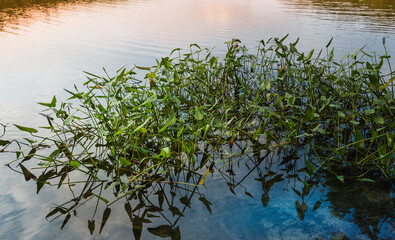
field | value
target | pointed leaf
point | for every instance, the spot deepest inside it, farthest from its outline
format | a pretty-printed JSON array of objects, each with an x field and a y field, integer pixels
[
  {"x": 248, "y": 194},
  {"x": 26, "y": 129},
  {"x": 206, "y": 203},
  {"x": 66, "y": 219},
  {"x": 106, "y": 215},
  {"x": 161, "y": 231},
  {"x": 176, "y": 235},
  {"x": 28, "y": 175},
  {"x": 91, "y": 226},
  {"x": 317, "y": 205}
]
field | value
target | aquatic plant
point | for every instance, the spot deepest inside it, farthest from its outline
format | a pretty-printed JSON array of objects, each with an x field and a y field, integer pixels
[{"x": 195, "y": 113}]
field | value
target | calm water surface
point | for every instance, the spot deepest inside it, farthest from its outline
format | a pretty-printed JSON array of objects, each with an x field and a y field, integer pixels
[{"x": 45, "y": 45}]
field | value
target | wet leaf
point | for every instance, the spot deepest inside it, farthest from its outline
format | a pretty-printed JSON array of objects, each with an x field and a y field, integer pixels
[
  {"x": 106, "y": 215},
  {"x": 161, "y": 231},
  {"x": 206, "y": 203}
]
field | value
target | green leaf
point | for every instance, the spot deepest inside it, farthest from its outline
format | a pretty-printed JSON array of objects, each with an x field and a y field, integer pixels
[
  {"x": 68, "y": 120},
  {"x": 165, "y": 152},
  {"x": 143, "y": 68},
  {"x": 142, "y": 125},
  {"x": 366, "y": 180},
  {"x": 75, "y": 164},
  {"x": 329, "y": 43},
  {"x": 198, "y": 114},
  {"x": 123, "y": 161},
  {"x": 359, "y": 139},
  {"x": 341, "y": 178},
  {"x": 341, "y": 114},
  {"x": 52, "y": 104},
  {"x": 369, "y": 111},
  {"x": 101, "y": 198},
  {"x": 308, "y": 116},
  {"x": 26, "y": 129},
  {"x": 378, "y": 119}
]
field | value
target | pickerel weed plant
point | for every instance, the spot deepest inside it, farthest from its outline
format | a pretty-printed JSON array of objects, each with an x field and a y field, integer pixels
[{"x": 191, "y": 108}]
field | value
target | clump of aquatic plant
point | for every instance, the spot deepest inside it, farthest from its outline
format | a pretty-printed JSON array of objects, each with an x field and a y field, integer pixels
[{"x": 191, "y": 108}]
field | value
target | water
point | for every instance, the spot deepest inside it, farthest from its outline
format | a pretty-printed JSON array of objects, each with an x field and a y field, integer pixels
[{"x": 46, "y": 45}]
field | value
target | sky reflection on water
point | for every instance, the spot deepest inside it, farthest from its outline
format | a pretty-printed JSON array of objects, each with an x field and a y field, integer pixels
[{"x": 46, "y": 45}]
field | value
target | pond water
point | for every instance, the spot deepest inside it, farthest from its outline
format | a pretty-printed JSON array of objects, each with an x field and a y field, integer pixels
[{"x": 45, "y": 45}]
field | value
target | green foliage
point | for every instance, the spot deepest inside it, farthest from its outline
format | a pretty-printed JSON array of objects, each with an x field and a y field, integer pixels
[{"x": 190, "y": 109}]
